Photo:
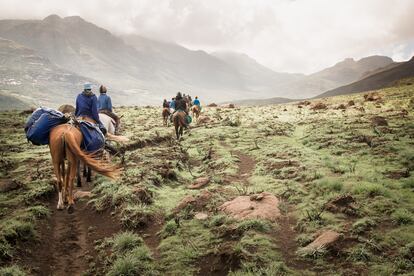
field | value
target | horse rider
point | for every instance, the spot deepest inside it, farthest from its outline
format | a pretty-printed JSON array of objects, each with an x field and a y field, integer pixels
[
  {"x": 190, "y": 100},
  {"x": 180, "y": 105},
  {"x": 197, "y": 102},
  {"x": 105, "y": 106},
  {"x": 87, "y": 107},
  {"x": 165, "y": 104}
]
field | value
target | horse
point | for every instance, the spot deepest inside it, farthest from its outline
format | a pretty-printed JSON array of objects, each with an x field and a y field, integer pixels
[
  {"x": 196, "y": 111},
  {"x": 179, "y": 123},
  {"x": 165, "y": 115},
  {"x": 109, "y": 125},
  {"x": 64, "y": 146}
]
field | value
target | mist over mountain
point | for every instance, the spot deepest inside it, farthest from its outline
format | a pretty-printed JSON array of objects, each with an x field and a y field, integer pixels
[{"x": 140, "y": 71}]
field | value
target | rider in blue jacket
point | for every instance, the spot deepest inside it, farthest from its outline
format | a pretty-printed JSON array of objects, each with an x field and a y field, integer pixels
[
  {"x": 105, "y": 107},
  {"x": 87, "y": 106},
  {"x": 197, "y": 101}
]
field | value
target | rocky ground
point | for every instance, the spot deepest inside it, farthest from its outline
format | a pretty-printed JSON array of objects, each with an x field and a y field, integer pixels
[{"x": 318, "y": 187}]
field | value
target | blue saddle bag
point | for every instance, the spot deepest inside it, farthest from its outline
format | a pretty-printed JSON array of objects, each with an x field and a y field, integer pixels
[
  {"x": 40, "y": 123},
  {"x": 93, "y": 138}
]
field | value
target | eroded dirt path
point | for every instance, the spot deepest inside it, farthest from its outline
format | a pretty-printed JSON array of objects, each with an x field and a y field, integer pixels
[{"x": 67, "y": 241}]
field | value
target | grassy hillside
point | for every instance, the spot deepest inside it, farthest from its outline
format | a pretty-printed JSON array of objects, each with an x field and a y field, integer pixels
[
  {"x": 385, "y": 78},
  {"x": 343, "y": 164}
]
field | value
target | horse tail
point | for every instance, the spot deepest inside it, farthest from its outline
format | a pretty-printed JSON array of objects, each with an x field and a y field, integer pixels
[{"x": 98, "y": 166}]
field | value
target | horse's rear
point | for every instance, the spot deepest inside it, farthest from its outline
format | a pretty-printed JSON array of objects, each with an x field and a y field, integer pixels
[
  {"x": 196, "y": 111},
  {"x": 165, "y": 114},
  {"x": 64, "y": 144},
  {"x": 179, "y": 123}
]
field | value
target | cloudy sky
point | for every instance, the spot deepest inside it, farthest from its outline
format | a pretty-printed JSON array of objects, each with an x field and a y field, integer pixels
[{"x": 285, "y": 35}]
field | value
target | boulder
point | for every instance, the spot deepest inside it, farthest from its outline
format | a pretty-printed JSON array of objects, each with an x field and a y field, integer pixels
[
  {"x": 7, "y": 185},
  {"x": 379, "y": 121},
  {"x": 258, "y": 206},
  {"x": 196, "y": 203},
  {"x": 319, "y": 106},
  {"x": 351, "y": 103},
  {"x": 304, "y": 103},
  {"x": 82, "y": 194},
  {"x": 212, "y": 105},
  {"x": 203, "y": 120},
  {"x": 324, "y": 240},
  {"x": 372, "y": 97},
  {"x": 143, "y": 194},
  {"x": 201, "y": 216},
  {"x": 199, "y": 182}
]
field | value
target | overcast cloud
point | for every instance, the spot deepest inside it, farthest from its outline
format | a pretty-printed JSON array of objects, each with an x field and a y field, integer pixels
[{"x": 285, "y": 35}]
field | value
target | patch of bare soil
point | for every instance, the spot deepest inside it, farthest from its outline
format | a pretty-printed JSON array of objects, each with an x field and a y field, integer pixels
[
  {"x": 151, "y": 237},
  {"x": 219, "y": 264},
  {"x": 286, "y": 240},
  {"x": 67, "y": 241}
]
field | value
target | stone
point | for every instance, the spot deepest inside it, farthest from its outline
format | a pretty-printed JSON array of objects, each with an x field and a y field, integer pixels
[
  {"x": 7, "y": 185},
  {"x": 199, "y": 182},
  {"x": 201, "y": 216},
  {"x": 319, "y": 106},
  {"x": 82, "y": 194},
  {"x": 259, "y": 206},
  {"x": 324, "y": 240}
]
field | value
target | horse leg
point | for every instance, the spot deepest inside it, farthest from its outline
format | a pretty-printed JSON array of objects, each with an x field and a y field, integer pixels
[
  {"x": 59, "y": 177},
  {"x": 72, "y": 168},
  {"x": 78, "y": 175},
  {"x": 88, "y": 174},
  {"x": 85, "y": 173}
]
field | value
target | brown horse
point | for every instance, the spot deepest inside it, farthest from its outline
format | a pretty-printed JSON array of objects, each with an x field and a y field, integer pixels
[
  {"x": 179, "y": 123},
  {"x": 196, "y": 111},
  {"x": 64, "y": 145},
  {"x": 165, "y": 114}
]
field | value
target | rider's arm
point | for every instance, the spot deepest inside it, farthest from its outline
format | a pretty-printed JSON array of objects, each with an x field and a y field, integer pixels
[
  {"x": 95, "y": 114},
  {"x": 109, "y": 104}
]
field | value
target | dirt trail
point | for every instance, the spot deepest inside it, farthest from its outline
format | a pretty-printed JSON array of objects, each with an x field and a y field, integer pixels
[
  {"x": 67, "y": 241},
  {"x": 246, "y": 166}
]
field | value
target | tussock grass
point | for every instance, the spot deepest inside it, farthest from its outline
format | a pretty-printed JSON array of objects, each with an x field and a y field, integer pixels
[
  {"x": 13, "y": 270},
  {"x": 402, "y": 216}
]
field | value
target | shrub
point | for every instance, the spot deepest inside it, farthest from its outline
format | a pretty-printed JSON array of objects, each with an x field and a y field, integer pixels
[
  {"x": 370, "y": 189},
  {"x": 6, "y": 250},
  {"x": 136, "y": 215},
  {"x": 16, "y": 229},
  {"x": 362, "y": 225},
  {"x": 13, "y": 270},
  {"x": 254, "y": 224},
  {"x": 136, "y": 262},
  {"x": 402, "y": 216},
  {"x": 126, "y": 241},
  {"x": 333, "y": 185},
  {"x": 408, "y": 183},
  {"x": 170, "y": 228},
  {"x": 359, "y": 254}
]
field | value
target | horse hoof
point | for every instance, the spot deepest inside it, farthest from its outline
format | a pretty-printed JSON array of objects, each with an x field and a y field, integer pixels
[
  {"x": 70, "y": 209},
  {"x": 60, "y": 207}
]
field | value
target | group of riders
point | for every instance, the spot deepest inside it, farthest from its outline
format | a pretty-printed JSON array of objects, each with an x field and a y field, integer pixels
[
  {"x": 88, "y": 106},
  {"x": 181, "y": 103}
]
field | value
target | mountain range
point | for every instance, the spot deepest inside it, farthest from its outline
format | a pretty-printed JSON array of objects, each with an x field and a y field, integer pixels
[{"x": 46, "y": 61}]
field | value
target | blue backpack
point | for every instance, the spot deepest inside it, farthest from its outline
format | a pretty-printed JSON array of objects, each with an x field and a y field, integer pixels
[
  {"x": 93, "y": 138},
  {"x": 40, "y": 123}
]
